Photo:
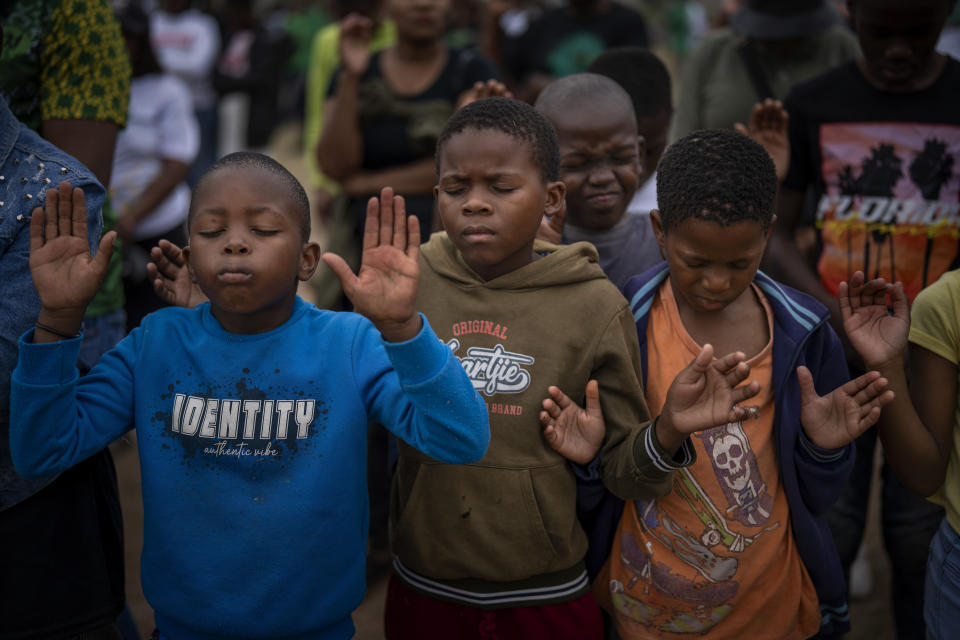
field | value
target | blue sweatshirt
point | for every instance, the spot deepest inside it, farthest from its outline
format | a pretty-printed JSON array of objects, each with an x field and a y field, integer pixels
[{"x": 253, "y": 454}]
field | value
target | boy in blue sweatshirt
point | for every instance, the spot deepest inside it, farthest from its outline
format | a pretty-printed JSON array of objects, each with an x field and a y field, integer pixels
[
  {"x": 739, "y": 548},
  {"x": 250, "y": 410}
]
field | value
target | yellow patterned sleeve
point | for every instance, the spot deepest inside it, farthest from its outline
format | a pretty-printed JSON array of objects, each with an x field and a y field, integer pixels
[{"x": 85, "y": 67}]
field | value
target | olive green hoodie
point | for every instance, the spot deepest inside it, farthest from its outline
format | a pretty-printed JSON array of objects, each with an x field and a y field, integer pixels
[{"x": 483, "y": 532}]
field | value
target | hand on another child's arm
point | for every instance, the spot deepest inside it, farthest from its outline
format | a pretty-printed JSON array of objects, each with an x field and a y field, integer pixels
[
  {"x": 768, "y": 127},
  {"x": 171, "y": 278},
  {"x": 385, "y": 289},
  {"x": 64, "y": 273},
  {"x": 704, "y": 395},
  {"x": 573, "y": 432}
]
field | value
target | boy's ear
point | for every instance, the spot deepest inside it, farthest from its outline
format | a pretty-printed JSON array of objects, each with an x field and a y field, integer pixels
[
  {"x": 657, "y": 224},
  {"x": 309, "y": 259},
  {"x": 185, "y": 252},
  {"x": 556, "y": 192}
]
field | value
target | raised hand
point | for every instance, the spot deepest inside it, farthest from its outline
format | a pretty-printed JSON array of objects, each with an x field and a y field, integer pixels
[
  {"x": 704, "y": 395},
  {"x": 65, "y": 274},
  {"x": 171, "y": 278},
  {"x": 574, "y": 433},
  {"x": 490, "y": 89},
  {"x": 355, "y": 33},
  {"x": 876, "y": 335},
  {"x": 835, "y": 419},
  {"x": 385, "y": 289},
  {"x": 768, "y": 127}
]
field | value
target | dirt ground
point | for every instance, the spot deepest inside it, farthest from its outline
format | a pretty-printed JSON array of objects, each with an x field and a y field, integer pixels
[{"x": 871, "y": 617}]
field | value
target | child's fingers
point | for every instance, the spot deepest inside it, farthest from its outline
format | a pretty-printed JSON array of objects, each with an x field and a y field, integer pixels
[
  {"x": 558, "y": 396},
  {"x": 172, "y": 252},
  {"x": 870, "y": 419},
  {"x": 860, "y": 383},
  {"x": 386, "y": 216},
  {"x": 399, "y": 221},
  {"x": 79, "y": 213},
  {"x": 50, "y": 215},
  {"x": 64, "y": 209},
  {"x": 843, "y": 298},
  {"x": 103, "y": 252},
  {"x": 342, "y": 270},
  {"x": 745, "y": 392},
  {"x": 551, "y": 409},
  {"x": 592, "y": 398},
  {"x": 740, "y": 128},
  {"x": 737, "y": 375},
  {"x": 899, "y": 299},
  {"x": 808, "y": 391},
  {"x": 413, "y": 238},
  {"x": 729, "y": 361},
  {"x": 697, "y": 366},
  {"x": 36, "y": 230},
  {"x": 870, "y": 392},
  {"x": 877, "y": 403},
  {"x": 371, "y": 227}
]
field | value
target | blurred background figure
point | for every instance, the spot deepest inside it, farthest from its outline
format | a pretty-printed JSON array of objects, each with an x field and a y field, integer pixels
[
  {"x": 248, "y": 77},
  {"x": 187, "y": 44},
  {"x": 562, "y": 41},
  {"x": 769, "y": 46},
  {"x": 152, "y": 158}
]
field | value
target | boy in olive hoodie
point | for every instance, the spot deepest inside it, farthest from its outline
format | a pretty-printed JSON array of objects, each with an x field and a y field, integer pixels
[{"x": 494, "y": 549}]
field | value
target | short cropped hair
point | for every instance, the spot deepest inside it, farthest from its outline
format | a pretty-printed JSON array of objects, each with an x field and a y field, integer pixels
[
  {"x": 717, "y": 175},
  {"x": 581, "y": 90},
  {"x": 642, "y": 74},
  {"x": 514, "y": 118},
  {"x": 253, "y": 160}
]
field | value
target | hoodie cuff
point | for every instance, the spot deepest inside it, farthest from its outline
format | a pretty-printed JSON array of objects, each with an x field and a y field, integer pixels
[
  {"x": 819, "y": 454},
  {"x": 48, "y": 363},
  {"x": 646, "y": 447}
]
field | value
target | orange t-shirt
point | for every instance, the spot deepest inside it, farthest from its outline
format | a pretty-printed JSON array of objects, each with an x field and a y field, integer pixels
[{"x": 716, "y": 557}]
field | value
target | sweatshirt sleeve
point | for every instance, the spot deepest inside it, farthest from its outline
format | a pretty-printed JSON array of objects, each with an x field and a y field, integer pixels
[
  {"x": 633, "y": 465},
  {"x": 419, "y": 391},
  {"x": 58, "y": 419}
]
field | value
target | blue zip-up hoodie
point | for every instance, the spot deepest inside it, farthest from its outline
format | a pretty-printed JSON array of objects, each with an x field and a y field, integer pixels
[{"x": 812, "y": 477}]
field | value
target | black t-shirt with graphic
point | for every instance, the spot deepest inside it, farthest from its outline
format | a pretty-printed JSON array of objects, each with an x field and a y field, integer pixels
[
  {"x": 884, "y": 169},
  {"x": 560, "y": 44},
  {"x": 398, "y": 130}
]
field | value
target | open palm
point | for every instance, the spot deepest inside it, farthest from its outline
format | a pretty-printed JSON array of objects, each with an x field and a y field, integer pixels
[
  {"x": 574, "y": 432},
  {"x": 64, "y": 273},
  {"x": 876, "y": 335},
  {"x": 705, "y": 393},
  {"x": 171, "y": 278},
  {"x": 833, "y": 420},
  {"x": 385, "y": 288}
]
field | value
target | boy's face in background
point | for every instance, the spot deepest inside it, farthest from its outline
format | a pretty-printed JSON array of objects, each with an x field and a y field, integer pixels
[
  {"x": 600, "y": 158},
  {"x": 653, "y": 130},
  {"x": 711, "y": 265},
  {"x": 247, "y": 250},
  {"x": 491, "y": 196},
  {"x": 898, "y": 39}
]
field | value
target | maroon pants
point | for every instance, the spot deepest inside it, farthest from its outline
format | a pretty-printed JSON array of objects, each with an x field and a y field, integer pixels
[{"x": 410, "y": 615}]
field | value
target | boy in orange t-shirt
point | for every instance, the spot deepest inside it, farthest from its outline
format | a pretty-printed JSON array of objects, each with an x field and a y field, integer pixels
[{"x": 739, "y": 548}]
